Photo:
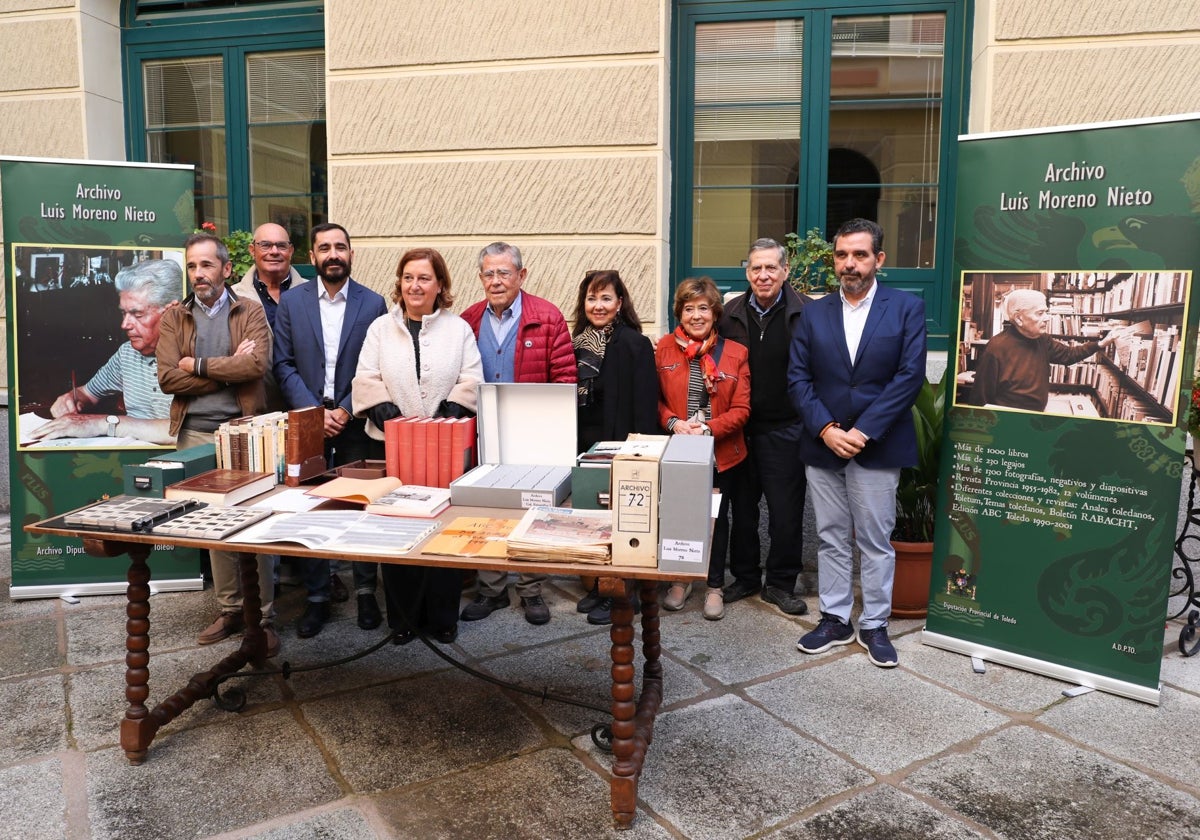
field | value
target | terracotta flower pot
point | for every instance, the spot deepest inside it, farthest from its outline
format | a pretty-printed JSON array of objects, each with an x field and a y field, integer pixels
[{"x": 910, "y": 587}]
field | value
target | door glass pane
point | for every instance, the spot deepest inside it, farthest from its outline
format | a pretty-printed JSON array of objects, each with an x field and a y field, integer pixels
[
  {"x": 726, "y": 221},
  {"x": 886, "y": 90},
  {"x": 185, "y": 123},
  {"x": 746, "y": 148},
  {"x": 286, "y": 96}
]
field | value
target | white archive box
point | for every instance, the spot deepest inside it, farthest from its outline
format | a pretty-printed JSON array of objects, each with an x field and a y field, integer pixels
[
  {"x": 526, "y": 436},
  {"x": 685, "y": 513}
]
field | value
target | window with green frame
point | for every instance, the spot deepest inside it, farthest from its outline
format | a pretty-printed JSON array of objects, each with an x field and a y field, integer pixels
[
  {"x": 793, "y": 115},
  {"x": 238, "y": 90}
]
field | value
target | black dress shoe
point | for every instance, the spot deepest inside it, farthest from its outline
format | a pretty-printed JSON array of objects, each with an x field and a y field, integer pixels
[
  {"x": 738, "y": 590},
  {"x": 445, "y": 637},
  {"x": 590, "y": 601},
  {"x": 403, "y": 637},
  {"x": 314, "y": 618},
  {"x": 368, "y": 612}
]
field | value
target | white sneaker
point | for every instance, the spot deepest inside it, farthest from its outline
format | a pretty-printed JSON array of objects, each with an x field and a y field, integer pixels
[
  {"x": 676, "y": 596},
  {"x": 714, "y": 604}
]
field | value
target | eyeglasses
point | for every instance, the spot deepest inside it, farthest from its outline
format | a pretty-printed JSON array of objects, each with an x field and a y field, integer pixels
[
  {"x": 502, "y": 273},
  {"x": 273, "y": 246}
]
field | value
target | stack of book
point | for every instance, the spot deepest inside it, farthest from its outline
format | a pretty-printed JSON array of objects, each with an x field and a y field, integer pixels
[
  {"x": 427, "y": 451},
  {"x": 288, "y": 444},
  {"x": 563, "y": 535},
  {"x": 253, "y": 443}
]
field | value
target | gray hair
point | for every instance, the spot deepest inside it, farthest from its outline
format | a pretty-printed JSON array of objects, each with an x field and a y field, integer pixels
[
  {"x": 767, "y": 243},
  {"x": 1019, "y": 300},
  {"x": 160, "y": 280},
  {"x": 222, "y": 248},
  {"x": 501, "y": 249}
]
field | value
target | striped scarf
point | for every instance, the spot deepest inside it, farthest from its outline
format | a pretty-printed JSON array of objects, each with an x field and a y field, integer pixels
[{"x": 700, "y": 349}]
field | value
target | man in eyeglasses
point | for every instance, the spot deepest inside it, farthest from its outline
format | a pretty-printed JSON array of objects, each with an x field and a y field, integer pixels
[
  {"x": 522, "y": 338},
  {"x": 272, "y": 274},
  {"x": 145, "y": 290},
  {"x": 764, "y": 319}
]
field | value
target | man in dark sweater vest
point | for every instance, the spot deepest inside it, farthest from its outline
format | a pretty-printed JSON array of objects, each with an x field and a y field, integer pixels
[{"x": 764, "y": 319}]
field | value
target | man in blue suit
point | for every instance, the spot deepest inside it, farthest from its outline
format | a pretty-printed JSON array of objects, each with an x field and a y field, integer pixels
[
  {"x": 857, "y": 363},
  {"x": 319, "y": 332}
]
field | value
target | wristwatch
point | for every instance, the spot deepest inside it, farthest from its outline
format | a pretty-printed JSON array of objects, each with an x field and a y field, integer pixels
[
  {"x": 706, "y": 430},
  {"x": 112, "y": 421}
]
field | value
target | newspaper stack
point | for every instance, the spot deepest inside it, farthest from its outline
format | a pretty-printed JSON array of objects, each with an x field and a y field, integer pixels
[{"x": 563, "y": 535}]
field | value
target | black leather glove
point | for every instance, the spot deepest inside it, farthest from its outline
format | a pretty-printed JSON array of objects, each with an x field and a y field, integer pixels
[
  {"x": 453, "y": 410},
  {"x": 380, "y": 414}
]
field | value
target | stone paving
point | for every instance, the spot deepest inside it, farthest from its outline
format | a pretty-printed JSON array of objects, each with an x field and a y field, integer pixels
[{"x": 754, "y": 739}]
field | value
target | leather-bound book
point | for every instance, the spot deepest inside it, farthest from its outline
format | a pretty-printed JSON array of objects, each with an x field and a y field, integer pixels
[
  {"x": 305, "y": 445},
  {"x": 221, "y": 487}
]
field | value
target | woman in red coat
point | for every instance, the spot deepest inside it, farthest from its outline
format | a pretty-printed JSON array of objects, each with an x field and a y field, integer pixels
[{"x": 704, "y": 389}]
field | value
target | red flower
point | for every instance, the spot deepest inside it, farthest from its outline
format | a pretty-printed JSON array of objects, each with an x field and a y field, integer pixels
[{"x": 208, "y": 226}]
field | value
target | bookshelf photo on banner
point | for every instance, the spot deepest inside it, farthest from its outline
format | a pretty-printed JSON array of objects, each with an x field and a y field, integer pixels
[{"x": 1135, "y": 377}]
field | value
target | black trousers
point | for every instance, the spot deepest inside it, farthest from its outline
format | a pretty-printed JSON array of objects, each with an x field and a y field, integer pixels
[
  {"x": 773, "y": 469},
  {"x": 435, "y": 609}
]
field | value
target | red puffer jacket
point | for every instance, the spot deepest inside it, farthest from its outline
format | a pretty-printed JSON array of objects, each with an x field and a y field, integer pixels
[{"x": 544, "y": 352}]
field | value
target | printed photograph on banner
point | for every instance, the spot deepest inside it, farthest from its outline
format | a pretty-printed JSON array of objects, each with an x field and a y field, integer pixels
[
  {"x": 86, "y": 323},
  {"x": 1087, "y": 344}
]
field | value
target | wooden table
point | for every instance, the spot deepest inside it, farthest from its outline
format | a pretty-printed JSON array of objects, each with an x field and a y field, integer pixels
[{"x": 633, "y": 714}]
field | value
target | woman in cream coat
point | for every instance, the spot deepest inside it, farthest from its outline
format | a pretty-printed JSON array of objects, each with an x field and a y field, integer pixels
[{"x": 419, "y": 360}]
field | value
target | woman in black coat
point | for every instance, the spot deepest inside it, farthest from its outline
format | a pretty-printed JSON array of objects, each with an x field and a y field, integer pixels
[{"x": 617, "y": 384}]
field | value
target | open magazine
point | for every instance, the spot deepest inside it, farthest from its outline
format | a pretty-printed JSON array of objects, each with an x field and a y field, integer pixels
[{"x": 348, "y": 531}]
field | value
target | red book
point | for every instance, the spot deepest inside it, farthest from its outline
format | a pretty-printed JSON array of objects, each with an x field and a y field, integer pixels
[
  {"x": 391, "y": 446},
  {"x": 445, "y": 429},
  {"x": 462, "y": 444},
  {"x": 404, "y": 438},
  {"x": 431, "y": 452},
  {"x": 420, "y": 436}
]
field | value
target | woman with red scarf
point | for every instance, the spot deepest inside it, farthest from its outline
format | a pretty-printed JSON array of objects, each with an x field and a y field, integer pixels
[{"x": 704, "y": 389}]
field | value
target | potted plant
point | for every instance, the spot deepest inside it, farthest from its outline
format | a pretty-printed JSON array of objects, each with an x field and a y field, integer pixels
[
  {"x": 916, "y": 505},
  {"x": 810, "y": 263},
  {"x": 1193, "y": 421}
]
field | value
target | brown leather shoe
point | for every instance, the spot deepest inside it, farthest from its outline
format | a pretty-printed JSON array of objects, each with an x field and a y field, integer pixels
[
  {"x": 272, "y": 641},
  {"x": 225, "y": 626}
]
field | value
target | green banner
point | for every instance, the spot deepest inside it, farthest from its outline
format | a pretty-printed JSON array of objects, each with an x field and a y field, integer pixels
[
  {"x": 1074, "y": 258},
  {"x": 81, "y": 354}
]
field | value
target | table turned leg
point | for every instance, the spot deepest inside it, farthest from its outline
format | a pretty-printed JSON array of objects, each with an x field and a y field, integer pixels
[
  {"x": 138, "y": 727},
  {"x": 627, "y": 763},
  {"x": 140, "y": 724},
  {"x": 652, "y": 673},
  {"x": 254, "y": 643}
]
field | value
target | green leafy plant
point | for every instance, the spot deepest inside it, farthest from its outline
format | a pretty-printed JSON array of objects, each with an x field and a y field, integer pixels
[
  {"x": 1193, "y": 418},
  {"x": 810, "y": 262},
  {"x": 916, "y": 495}
]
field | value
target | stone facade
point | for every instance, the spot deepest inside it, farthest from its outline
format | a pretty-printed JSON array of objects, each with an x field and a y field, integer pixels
[
  {"x": 504, "y": 120},
  {"x": 548, "y": 124},
  {"x": 1036, "y": 64}
]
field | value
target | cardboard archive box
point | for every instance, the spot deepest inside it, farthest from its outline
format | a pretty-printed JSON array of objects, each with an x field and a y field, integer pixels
[
  {"x": 685, "y": 509},
  {"x": 634, "y": 501},
  {"x": 151, "y": 478},
  {"x": 526, "y": 435}
]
